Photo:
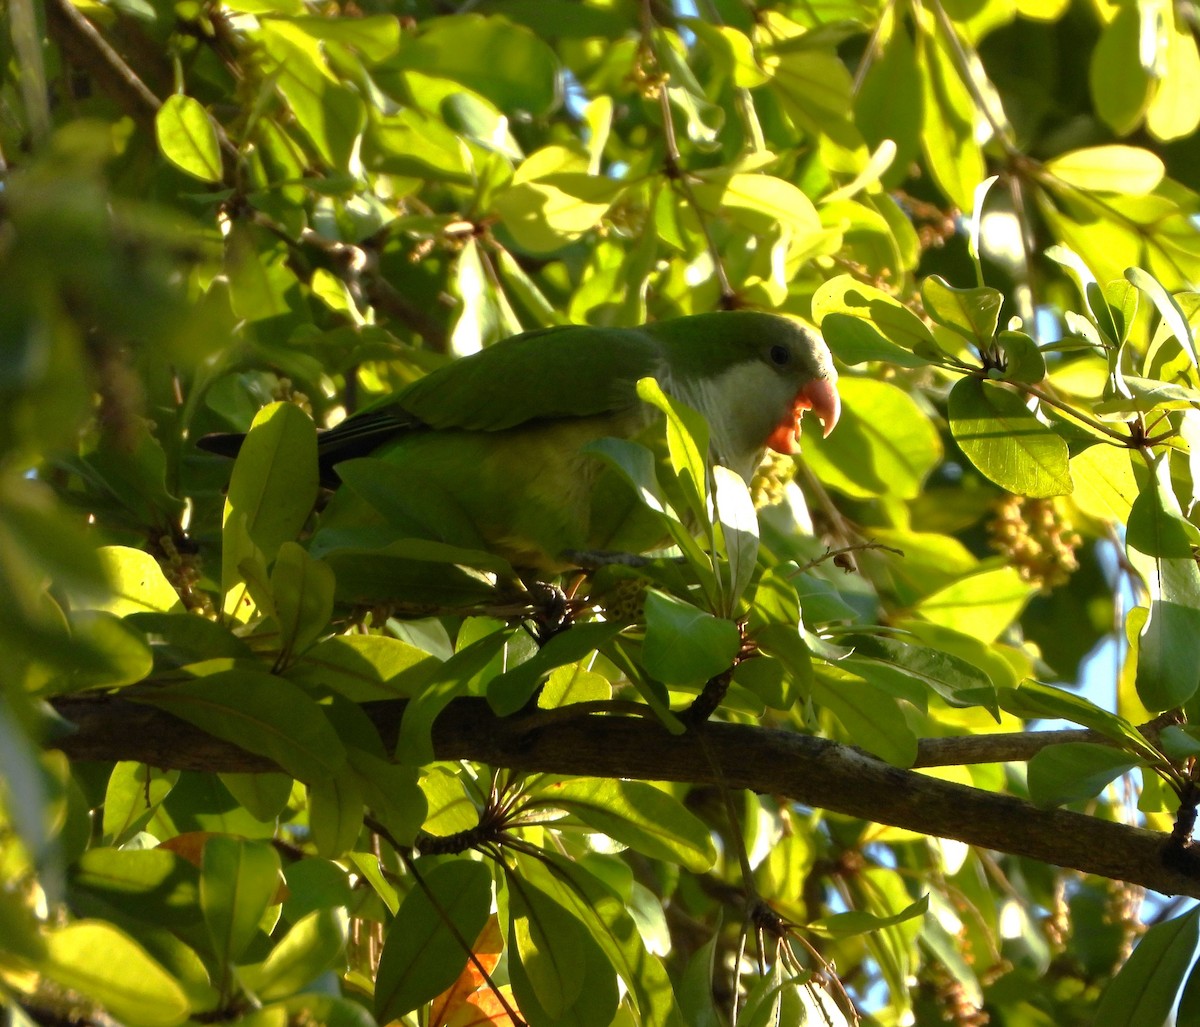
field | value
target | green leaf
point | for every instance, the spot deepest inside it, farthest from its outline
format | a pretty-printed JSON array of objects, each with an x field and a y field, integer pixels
[
  {"x": 560, "y": 975},
  {"x": 422, "y": 953},
  {"x": 946, "y": 674},
  {"x": 153, "y": 885},
  {"x": 238, "y": 880},
  {"x": 972, "y": 313},
  {"x": 857, "y": 921},
  {"x": 393, "y": 794},
  {"x": 103, "y": 963},
  {"x": 696, "y": 985},
  {"x": 1023, "y": 361},
  {"x": 1172, "y": 114},
  {"x": 854, "y": 340},
  {"x": 1104, "y": 483},
  {"x": 888, "y": 103},
  {"x": 684, "y": 645},
  {"x": 949, "y": 137},
  {"x": 302, "y": 589},
  {"x": 375, "y": 37},
  {"x": 510, "y": 691},
  {"x": 732, "y": 50},
  {"x": 138, "y": 583},
  {"x": 762, "y": 202},
  {"x": 983, "y": 603},
  {"x": 549, "y": 943},
  {"x": 1159, "y": 543},
  {"x": 331, "y": 115},
  {"x": 687, "y": 445},
  {"x": 134, "y": 791},
  {"x": 1148, "y": 394},
  {"x": 108, "y": 654},
  {"x": 873, "y": 719},
  {"x": 639, "y": 815},
  {"x": 273, "y": 486},
  {"x": 263, "y": 795},
  {"x": 506, "y": 63},
  {"x": 261, "y": 713},
  {"x": 1073, "y": 771},
  {"x": 187, "y": 137},
  {"x": 312, "y": 946},
  {"x": 1002, "y": 437},
  {"x": 606, "y": 915},
  {"x": 891, "y": 321},
  {"x": 410, "y": 570},
  {"x": 1036, "y": 700},
  {"x": 885, "y": 445},
  {"x": 1143, "y": 992},
  {"x": 815, "y": 90},
  {"x": 546, "y": 214},
  {"x": 335, "y": 813},
  {"x": 1168, "y": 307},
  {"x": 1109, "y": 169},
  {"x": 1121, "y": 84},
  {"x": 635, "y": 463},
  {"x": 415, "y": 745},
  {"x": 737, "y": 540},
  {"x": 366, "y": 667}
]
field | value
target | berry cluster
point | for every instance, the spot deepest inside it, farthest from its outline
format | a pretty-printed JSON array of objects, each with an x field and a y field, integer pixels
[{"x": 1036, "y": 537}]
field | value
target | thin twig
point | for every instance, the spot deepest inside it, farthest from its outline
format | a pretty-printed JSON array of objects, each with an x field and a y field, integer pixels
[
  {"x": 674, "y": 169},
  {"x": 403, "y": 852}
]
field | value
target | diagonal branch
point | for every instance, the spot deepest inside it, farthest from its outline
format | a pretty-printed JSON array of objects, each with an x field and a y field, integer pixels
[
  {"x": 811, "y": 771},
  {"x": 86, "y": 48}
]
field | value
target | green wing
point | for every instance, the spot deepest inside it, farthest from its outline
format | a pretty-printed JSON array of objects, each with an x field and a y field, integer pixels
[{"x": 569, "y": 371}]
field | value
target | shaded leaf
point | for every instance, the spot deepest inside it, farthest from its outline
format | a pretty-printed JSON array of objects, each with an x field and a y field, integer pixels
[
  {"x": 1144, "y": 990},
  {"x": 684, "y": 645},
  {"x": 1072, "y": 771},
  {"x": 639, "y": 815},
  {"x": 261, "y": 713},
  {"x": 422, "y": 955}
]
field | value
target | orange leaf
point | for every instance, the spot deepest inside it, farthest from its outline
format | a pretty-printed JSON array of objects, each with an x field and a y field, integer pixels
[
  {"x": 464, "y": 992},
  {"x": 483, "y": 1009},
  {"x": 189, "y": 845}
]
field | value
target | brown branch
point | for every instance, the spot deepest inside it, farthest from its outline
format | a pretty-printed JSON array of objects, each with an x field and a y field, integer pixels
[
  {"x": 1010, "y": 747},
  {"x": 86, "y": 48},
  {"x": 811, "y": 771}
]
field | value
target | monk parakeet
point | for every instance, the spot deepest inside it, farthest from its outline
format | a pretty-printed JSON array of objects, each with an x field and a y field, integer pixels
[{"x": 490, "y": 451}]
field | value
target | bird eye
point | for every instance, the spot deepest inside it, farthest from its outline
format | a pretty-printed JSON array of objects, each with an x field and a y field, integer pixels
[{"x": 780, "y": 355}]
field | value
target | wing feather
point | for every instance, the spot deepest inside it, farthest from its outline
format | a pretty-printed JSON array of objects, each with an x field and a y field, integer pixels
[{"x": 568, "y": 371}]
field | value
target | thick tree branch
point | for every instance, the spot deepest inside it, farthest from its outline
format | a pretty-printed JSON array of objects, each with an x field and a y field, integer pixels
[{"x": 811, "y": 771}]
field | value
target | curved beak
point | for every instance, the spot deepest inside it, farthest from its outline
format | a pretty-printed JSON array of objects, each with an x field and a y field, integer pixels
[{"x": 821, "y": 397}]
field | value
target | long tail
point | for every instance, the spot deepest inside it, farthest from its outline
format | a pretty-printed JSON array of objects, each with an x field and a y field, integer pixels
[
  {"x": 222, "y": 443},
  {"x": 357, "y": 436}
]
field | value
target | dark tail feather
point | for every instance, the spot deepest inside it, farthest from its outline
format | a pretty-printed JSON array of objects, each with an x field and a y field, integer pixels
[
  {"x": 360, "y": 435},
  {"x": 222, "y": 443},
  {"x": 229, "y": 444}
]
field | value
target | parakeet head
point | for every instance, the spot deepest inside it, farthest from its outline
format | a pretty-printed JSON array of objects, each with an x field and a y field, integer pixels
[{"x": 752, "y": 375}]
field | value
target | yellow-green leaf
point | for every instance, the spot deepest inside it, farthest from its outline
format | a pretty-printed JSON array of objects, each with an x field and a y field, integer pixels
[
  {"x": 102, "y": 962},
  {"x": 1109, "y": 169},
  {"x": 1001, "y": 436},
  {"x": 188, "y": 138}
]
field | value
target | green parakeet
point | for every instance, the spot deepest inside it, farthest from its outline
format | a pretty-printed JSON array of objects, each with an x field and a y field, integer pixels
[{"x": 490, "y": 451}]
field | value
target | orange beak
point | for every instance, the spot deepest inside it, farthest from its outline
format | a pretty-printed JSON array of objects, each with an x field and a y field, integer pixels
[{"x": 821, "y": 397}]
